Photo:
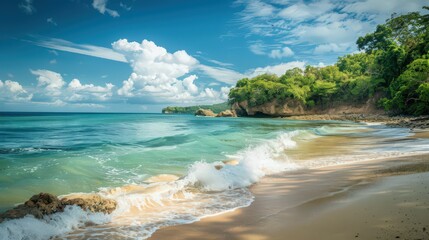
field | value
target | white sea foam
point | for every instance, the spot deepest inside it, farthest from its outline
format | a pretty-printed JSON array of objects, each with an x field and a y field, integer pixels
[{"x": 56, "y": 224}]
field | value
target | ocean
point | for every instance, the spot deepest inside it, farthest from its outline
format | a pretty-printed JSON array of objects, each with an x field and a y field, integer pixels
[{"x": 165, "y": 170}]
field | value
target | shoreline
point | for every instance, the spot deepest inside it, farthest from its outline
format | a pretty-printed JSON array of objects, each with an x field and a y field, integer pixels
[
  {"x": 421, "y": 122},
  {"x": 294, "y": 204}
]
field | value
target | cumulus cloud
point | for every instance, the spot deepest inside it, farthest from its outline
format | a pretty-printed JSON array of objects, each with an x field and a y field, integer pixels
[
  {"x": 100, "y": 5},
  {"x": 161, "y": 76},
  {"x": 89, "y": 91},
  {"x": 51, "y": 81},
  {"x": 53, "y": 89},
  {"x": 188, "y": 83},
  {"x": 280, "y": 53},
  {"x": 11, "y": 91}
]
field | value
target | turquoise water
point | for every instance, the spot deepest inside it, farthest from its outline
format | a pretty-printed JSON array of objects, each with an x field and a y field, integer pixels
[{"x": 65, "y": 153}]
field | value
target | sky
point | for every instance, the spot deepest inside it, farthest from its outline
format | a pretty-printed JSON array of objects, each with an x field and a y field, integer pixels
[{"x": 141, "y": 56}]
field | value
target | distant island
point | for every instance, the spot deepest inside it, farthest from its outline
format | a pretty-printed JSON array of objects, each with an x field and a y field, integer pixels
[{"x": 216, "y": 108}]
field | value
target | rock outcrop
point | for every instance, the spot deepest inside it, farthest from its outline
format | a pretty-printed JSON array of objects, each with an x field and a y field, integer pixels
[
  {"x": 38, "y": 205},
  {"x": 205, "y": 113},
  {"x": 43, "y": 204},
  {"x": 227, "y": 113},
  {"x": 91, "y": 202}
]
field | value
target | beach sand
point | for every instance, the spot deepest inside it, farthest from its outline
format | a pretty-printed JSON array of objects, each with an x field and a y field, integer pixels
[
  {"x": 377, "y": 199},
  {"x": 421, "y": 133}
]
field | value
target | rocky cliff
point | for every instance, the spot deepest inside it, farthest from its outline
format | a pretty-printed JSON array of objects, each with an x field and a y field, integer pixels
[{"x": 294, "y": 107}]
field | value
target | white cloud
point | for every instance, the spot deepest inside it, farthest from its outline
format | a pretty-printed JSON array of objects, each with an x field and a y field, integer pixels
[
  {"x": 315, "y": 23},
  {"x": 100, "y": 5},
  {"x": 13, "y": 87},
  {"x": 51, "y": 21},
  {"x": 89, "y": 91},
  {"x": 382, "y": 10},
  {"x": 51, "y": 81},
  {"x": 52, "y": 89},
  {"x": 302, "y": 11},
  {"x": 270, "y": 50},
  {"x": 258, "y": 48},
  {"x": 278, "y": 69},
  {"x": 53, "y": 61},
  {"x": 85, "y": 49},
  {"x": 222, "y": 64},
  {"x": 256, "y": 8},
  {"x": 156, "y": 72},
  {"x": 333, "y": 47},
  {"x": 221, "y": 74},
  {"x": 280, "y": 53},
  {"x": 11, "y": 91},
  {"x": 27, "y": 6},
  {"x": 162, "y": 77},
  {"x": 188, "y": 83},
  {"x": 334, "y": 32}
]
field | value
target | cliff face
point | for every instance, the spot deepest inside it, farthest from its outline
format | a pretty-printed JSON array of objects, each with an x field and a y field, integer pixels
[
  {"x": 273, "y": 108},
  {"x": 294, "y": 107}
]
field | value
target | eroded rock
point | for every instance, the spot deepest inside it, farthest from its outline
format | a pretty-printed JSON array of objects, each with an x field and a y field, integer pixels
[
  {"x": 38, "y": 205},
  {"x": 43, "y": 204},
  {"x": 227, "y": 113},
  {"x": 205, "y": 113},
  {"x": 91, "y": 202}
]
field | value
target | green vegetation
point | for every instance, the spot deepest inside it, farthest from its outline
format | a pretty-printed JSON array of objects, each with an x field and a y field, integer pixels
[
  {"x": 216, "y": 108},
  {"x": 394, "y": 62}
]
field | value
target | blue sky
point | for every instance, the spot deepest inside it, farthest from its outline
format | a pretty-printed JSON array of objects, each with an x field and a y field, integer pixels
[{"x": 140, "y": 56}]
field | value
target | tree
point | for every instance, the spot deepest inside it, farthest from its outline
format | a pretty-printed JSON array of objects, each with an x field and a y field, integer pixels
[{"x": 405, "y": 93}]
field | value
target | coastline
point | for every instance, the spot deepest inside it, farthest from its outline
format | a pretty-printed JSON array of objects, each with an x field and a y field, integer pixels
[
  {"x": 378, "y": 199},
  {"x": 421, "y": 122}
]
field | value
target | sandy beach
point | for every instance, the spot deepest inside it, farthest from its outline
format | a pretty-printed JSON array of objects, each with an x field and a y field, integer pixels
[{"x": 378, "y": 199}]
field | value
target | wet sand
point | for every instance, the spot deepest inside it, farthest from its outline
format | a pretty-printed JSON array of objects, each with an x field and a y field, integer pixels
[
  {"x": 379, "y": 199},
  {"x": 421, "y": 133}
]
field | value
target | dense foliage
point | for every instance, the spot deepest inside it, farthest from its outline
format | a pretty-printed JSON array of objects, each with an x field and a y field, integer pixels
[
  {"x": 216, "y": 108},
  {"x": 393, "y": 62}
]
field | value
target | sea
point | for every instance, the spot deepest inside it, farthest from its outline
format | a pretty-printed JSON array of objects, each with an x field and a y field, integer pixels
[{"x": 165, "y": 170}]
